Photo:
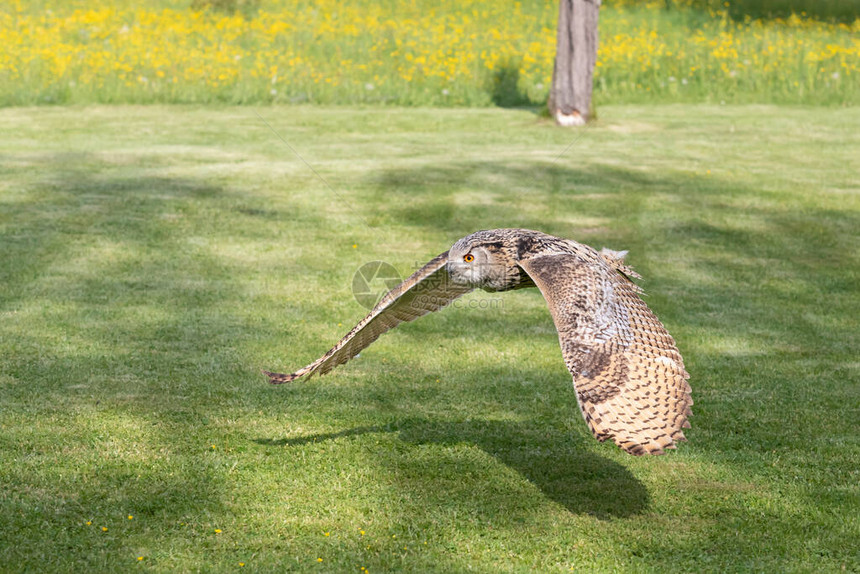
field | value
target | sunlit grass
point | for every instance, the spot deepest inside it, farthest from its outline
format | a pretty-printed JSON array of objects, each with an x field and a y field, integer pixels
[
  {"x": 154, "y": 259},
  {"x": 440, "y": 53}
]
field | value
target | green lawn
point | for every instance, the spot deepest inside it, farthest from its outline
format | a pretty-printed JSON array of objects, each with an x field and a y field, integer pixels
[{"x": 154, "y": 259}]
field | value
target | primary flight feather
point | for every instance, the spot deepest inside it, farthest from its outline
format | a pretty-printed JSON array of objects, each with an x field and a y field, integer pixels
[{"x": 629, "y": 377}]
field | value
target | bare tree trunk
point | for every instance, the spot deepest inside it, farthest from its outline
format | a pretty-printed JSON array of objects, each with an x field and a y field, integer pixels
[{"x": 576, "y": 54}]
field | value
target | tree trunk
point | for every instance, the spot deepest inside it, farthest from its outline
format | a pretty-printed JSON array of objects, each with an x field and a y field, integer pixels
[{"x": 576, "y": 54}]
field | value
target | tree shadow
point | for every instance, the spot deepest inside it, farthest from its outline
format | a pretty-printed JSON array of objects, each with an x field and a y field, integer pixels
[
  {"x": 102, "y": 259},
  {"x": 600, "y": 200},
  {"x": 579, "y": 480},
  {"x": 828, "y": 10},
  {"x": 504, "y": 88}
]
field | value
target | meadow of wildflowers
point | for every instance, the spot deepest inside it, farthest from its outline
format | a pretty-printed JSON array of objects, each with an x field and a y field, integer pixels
[{"x": 444, "y": 52}]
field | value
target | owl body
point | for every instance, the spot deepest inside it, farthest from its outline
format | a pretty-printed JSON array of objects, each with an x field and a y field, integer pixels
[{"x": 630, "y": 381}]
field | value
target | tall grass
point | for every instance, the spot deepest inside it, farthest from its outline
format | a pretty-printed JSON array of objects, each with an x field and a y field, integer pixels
[{"x": 446, "y": 52}]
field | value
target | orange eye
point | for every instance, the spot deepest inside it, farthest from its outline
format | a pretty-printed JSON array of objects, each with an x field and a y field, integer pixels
[{"x": 468, "y": 258}]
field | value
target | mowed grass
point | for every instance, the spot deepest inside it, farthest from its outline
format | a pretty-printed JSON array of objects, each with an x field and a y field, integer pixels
[{"x": 154, "y": 259}]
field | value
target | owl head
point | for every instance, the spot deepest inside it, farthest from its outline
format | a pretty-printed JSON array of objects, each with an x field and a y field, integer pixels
[{"x": 482, "y": 260}]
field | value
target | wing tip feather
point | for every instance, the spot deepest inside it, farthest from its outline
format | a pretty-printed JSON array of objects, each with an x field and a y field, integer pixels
[{"x": 281, "y": 378}]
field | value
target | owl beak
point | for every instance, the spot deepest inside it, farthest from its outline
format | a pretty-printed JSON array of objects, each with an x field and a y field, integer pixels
[{"x": 457, "y": 272}]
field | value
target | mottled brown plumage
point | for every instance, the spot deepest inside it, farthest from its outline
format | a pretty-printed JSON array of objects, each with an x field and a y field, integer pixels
[{"x": 629, "y": 377}]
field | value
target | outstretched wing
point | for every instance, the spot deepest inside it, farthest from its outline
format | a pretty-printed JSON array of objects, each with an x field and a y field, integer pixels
[
  {"x": 629, "y": 376},
  {"x": 427, "y": 290}
]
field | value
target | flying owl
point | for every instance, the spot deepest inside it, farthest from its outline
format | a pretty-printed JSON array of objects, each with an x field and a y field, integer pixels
[{"x": 629, "y": 377}]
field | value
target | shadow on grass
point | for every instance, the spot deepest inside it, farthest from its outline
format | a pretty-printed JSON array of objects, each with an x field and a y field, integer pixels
[
  {"x": 99, "y": 264},
  {"x": 122, "y": 270},
  {"x": 504, "y": 87},
  {"x": 463, "y": 196},
  {"x": 607, "y": 203},
  {"x": 829, "y": 10},
  {"x": 579, "y": 480}
]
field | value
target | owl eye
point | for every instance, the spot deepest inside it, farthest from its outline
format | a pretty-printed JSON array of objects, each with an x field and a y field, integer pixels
[{"x": 468, "y": 258}]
